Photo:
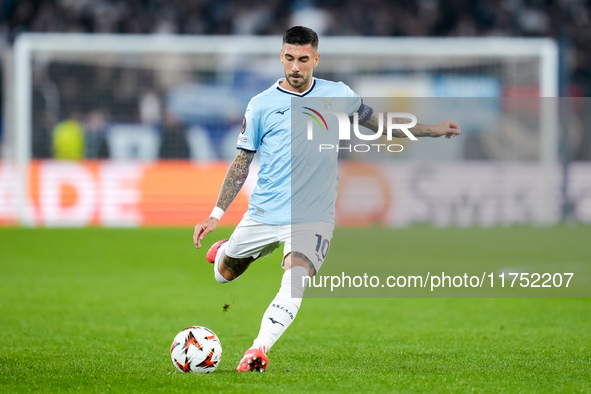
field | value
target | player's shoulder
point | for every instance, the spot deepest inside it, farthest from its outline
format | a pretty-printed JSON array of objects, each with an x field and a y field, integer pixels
[
  {"x": 264, "y": 98},
  {"x": 333, "y": 88},
  {"x": 326, "y": 82}
]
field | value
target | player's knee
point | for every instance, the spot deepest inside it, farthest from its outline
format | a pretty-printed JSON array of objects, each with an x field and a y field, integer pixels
[
  {"x": 299, "y": 259},
  {"x": 224, "y": 274},
  {"x": 231, "y": 268},
  {"x": 218, "y": 277}
]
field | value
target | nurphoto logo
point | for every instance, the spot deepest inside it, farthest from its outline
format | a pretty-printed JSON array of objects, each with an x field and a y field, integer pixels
[{"x": 345, "y": 130}]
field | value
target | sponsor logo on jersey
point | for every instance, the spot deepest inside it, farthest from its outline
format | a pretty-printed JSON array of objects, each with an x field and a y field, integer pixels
[{"x": 282, "y": 112}]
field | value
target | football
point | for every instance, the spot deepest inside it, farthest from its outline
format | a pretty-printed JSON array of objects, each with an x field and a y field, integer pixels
[{"x": 196, "y": 349}]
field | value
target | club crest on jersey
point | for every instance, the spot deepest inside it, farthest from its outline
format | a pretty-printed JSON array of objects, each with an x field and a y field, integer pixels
[{"x": 327, "y": 102}]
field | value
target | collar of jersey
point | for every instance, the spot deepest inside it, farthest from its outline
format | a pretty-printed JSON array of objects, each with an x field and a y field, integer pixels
[{"x": 294, "y": 93}]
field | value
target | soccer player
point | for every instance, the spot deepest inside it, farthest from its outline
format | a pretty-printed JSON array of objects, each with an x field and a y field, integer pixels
[{"x": 268, "y": 222}]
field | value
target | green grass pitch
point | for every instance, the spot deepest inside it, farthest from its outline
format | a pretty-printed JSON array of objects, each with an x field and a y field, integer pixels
[{"x": 95, "y": 310}]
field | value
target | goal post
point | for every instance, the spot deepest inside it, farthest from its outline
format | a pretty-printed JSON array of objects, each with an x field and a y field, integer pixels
[{"x": 512, "y": 61}]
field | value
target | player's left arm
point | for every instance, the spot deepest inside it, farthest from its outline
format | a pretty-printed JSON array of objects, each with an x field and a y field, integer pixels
[{"x": 446, "y": 128}]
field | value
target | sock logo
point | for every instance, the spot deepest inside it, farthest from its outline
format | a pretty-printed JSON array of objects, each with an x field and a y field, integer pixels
[
  {"x": 276, "y": 322},
  {"x": 283, "y": 309}
]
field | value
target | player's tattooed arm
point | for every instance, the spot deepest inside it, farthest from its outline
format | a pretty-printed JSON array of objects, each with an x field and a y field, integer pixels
[
  {"x": 446, "y": 128},
  {"x": 235, "y": 178}
]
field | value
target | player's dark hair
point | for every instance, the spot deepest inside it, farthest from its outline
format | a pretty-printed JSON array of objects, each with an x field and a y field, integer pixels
[{"x": 300, "y": 35}]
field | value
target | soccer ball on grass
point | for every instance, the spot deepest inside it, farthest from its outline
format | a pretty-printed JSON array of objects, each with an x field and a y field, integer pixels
[{"x": 196, "y": 349}]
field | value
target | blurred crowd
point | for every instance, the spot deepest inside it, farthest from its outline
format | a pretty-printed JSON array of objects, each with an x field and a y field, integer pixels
[{"x": 568, "y": 21}]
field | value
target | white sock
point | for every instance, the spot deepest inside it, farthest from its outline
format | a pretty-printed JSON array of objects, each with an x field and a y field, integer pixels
[
  {"x": 282, "y": 310},
  {"x": 216, "y": 271}
]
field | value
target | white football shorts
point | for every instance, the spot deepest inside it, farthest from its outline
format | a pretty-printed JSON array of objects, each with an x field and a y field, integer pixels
[{"x": 254, "y": 239}]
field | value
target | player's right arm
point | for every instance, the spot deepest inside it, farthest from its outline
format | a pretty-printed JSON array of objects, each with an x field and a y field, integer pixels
[{"x": 233, "y": 182}]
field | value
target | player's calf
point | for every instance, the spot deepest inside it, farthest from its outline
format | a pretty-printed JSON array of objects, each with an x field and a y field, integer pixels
[
  {"x": 226, "y": 268},
  {"x": 231, "y": 267}
]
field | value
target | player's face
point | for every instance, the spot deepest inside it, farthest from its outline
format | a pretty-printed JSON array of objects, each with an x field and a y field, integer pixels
[{"x": 298, "y": 64}]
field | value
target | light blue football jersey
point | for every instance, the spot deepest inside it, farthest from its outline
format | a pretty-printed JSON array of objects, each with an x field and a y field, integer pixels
[{"x": 267, "y": 129}]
